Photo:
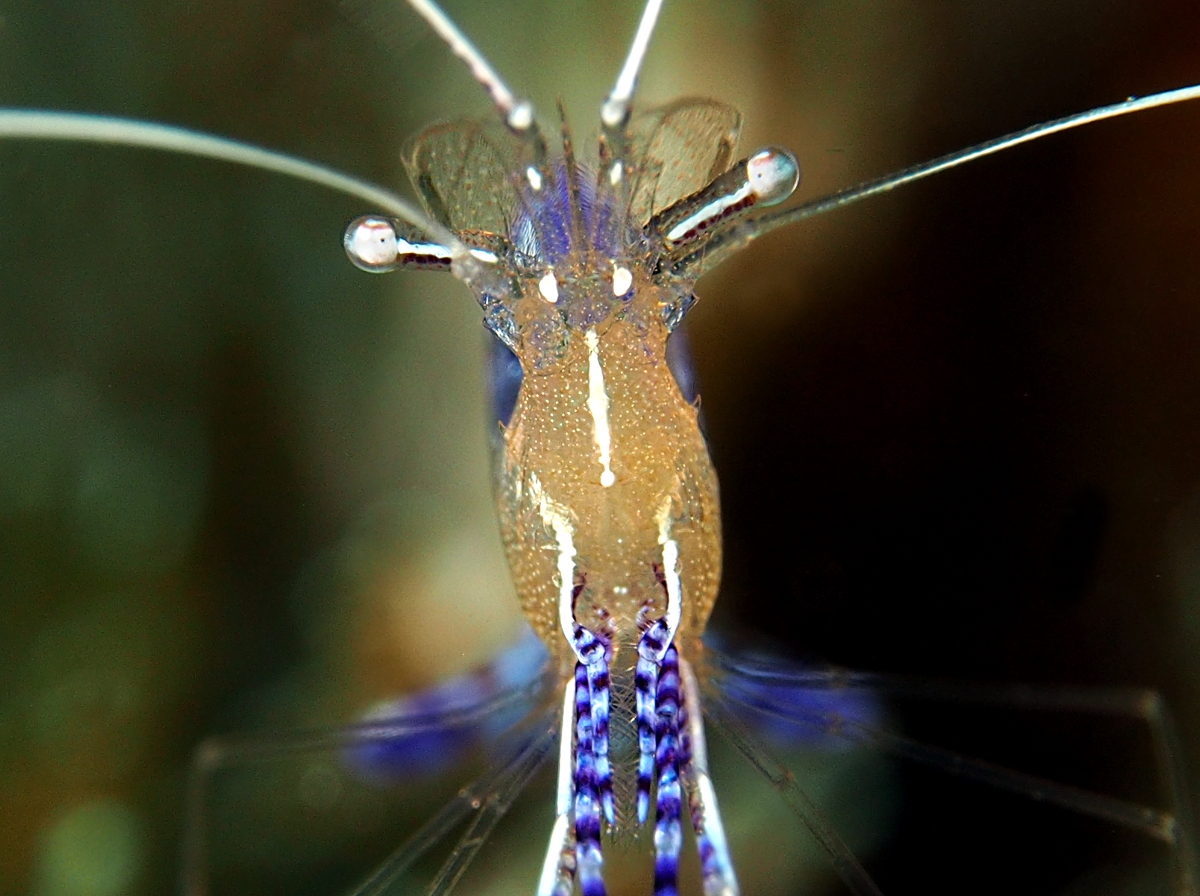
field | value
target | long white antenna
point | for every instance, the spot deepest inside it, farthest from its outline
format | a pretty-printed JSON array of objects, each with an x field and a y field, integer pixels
[
  {"x": 723, "y": 245},
  {"x": 517, "y": 114},
  {"x": 467, "y": 264},
  {"x": 616, "y": 108},
  {"x": 83, "y": 128},
  {"x": 766, "y": 223}
]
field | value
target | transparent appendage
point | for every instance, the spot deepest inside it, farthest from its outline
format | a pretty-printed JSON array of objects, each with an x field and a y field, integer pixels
[
  {"x": 992, "y": 790},
  {"x": 327, "y": 810}
]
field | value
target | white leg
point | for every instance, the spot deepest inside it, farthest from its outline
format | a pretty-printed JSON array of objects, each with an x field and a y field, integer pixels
[
  {"x": 717, "y": 867},
  {"x": 558, "y": 869}
]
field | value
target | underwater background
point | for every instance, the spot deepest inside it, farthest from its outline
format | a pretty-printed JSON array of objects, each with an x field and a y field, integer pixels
[{"x": 244, "y": 486}]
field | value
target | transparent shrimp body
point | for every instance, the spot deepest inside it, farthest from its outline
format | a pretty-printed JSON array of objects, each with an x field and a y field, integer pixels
[{"x": 607, "y": 497}]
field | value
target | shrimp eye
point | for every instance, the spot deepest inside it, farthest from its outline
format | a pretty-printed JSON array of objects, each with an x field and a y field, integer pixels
[
  {"x": 371, "y": 243},
  {"x": 376, "y": 244},
  {"x": 772, "y": 173}
]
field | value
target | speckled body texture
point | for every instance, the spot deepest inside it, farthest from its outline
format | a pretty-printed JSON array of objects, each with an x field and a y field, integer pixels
[{"x": 658, "y": 454}]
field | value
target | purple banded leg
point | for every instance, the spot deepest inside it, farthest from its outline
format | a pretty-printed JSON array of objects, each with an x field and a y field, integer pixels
[
  {"x": 716, "y": 867},
  {"x": 589, "y": 861},
  {"x": 651, "y": 647},
  {"x": 668, "y": 830},
  {"x": 645, "y": 683},
  {"x": 598, "y": 683},
  {"x": 593, "y": 651}
]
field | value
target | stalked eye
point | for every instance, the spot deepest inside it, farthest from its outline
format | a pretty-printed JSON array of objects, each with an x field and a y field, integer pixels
[
  {"x": 766, "y": 178},
  {"x": 773, "y": 173},
  {"x": 378, "y": 245}
]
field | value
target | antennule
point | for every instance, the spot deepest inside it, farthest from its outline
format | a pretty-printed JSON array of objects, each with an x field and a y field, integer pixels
[
  {"x": 615, "y": 110},
  {"x": 517, "y": 114}
]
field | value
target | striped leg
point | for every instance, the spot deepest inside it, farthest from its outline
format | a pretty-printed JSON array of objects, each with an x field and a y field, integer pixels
[
  {"x": 668, "y": 830},
  {"x": 651, "y": 647},
  {"x": 594, "y": 653},
  {"x": 588, "y": 859},
  {"x": 584, "y": 776}
]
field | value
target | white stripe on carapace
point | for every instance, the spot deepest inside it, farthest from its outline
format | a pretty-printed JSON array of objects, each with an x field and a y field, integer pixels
[
  {"x": 709, "y": 212},
  {"x": 548, "y": 287},
  {"x": 622, "y": 280},
  {"x": 597, "y": 404},
  {"x": 670, "y": 556},
  {"x": 534, "y": 177},
  {"x": 558, "y": 519}
]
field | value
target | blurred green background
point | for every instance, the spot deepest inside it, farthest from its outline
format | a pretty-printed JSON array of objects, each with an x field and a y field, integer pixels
[{"x": 243, "y": 486}]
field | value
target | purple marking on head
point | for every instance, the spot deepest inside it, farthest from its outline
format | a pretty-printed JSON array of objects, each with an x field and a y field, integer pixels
[{"x": 543, "y": 229}]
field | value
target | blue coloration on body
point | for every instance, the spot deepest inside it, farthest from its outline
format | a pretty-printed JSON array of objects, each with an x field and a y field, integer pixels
[
  {"x": 503, "y": 381},
  {"x": 504, "y": 374},
  {"x": 824, "y": 716},
  {"x": 787, "y": 714},
  {"x": 543, "y": 229},
  {"x": 444, "y": 744}
]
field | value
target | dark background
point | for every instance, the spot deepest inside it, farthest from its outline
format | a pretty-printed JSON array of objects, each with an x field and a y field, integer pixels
[{"x": 243, "y": 485}]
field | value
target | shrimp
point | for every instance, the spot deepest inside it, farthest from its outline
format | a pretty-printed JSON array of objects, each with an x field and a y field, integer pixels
[{"x": 809, "y": 575}]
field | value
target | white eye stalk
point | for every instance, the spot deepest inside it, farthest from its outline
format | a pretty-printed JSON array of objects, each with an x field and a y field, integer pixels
[
  {"x": 766, "y": 178},
  {"x": 378, "y": 245}
]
